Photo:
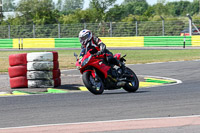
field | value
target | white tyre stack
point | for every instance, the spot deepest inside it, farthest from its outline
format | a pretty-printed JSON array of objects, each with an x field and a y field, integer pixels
[{"x": 43, "y": 70}]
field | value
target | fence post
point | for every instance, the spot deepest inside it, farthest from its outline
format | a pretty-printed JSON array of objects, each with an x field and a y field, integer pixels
[
  {"x": 85, "y": 26},
  {"x": 9, "y": 30},
  {"x": 58, "y": 30},
  {"x": 163, "y": 26},
  {"x": 33, "y": 30},
  {"x": 190, "y": 24},
  {"x": 136, "y": 28},
  {"x": 110, "y": 28}
]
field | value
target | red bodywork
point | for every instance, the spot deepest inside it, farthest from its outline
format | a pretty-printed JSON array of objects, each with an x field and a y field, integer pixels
[
  {"x": 118, "y": 55},
  {"x": 95, "y": 62}
]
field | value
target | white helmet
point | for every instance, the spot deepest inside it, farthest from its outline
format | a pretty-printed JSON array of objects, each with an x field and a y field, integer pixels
[{"x": 85, "y": 36}]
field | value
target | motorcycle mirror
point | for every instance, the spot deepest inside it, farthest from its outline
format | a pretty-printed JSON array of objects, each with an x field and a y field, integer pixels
[
  {"x": 124, "y": 56},
  {"x": 76, "y": 56}
]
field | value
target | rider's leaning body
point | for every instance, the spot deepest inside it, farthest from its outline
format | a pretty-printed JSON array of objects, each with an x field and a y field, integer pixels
[{"x": 90, "y": 41}]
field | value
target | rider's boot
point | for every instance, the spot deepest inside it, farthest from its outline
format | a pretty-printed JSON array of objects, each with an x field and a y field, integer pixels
[{"x": 122, "y": 66}]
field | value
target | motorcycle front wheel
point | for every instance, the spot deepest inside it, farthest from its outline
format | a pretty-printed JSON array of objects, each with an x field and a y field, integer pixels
[
  {"x": 94, "y": 85},
  {"x": 133, "y": 84}
]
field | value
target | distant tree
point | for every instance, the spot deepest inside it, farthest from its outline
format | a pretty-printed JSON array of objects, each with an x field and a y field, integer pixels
[
  {"x": 37, "y": 11},
  {"x": 180, "y": 8},
  {"x": 194, "y": 7},
  {"x": 8, "y": 5},
  {"x": 71, "y": 5},
  {"x": 149, "y": 12},
  {"x": 136, "y": 8},
  {"x": 59, "y": 5},
  {"x": 80, "y": 16},
  {"x": 100, "y": 7},
  {"x": 115, "y": 13},
  {"x": 131, "y": 1}
]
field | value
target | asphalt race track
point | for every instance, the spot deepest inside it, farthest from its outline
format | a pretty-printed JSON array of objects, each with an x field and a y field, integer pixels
[{"x": 155, "y": 102}]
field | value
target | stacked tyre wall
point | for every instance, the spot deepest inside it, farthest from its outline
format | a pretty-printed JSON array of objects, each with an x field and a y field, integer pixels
[
  {"x": 147, "y": 41},
  {"x": 34, "y": 70},
  {"x": 18, "y": 70}
]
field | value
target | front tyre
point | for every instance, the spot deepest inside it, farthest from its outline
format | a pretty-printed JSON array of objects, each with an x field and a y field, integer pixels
[
  {"x": 95, "y": 86},
  {"x": 133, "y": 84}
]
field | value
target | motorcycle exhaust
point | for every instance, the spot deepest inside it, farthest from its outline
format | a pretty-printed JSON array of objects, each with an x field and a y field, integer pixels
[{"x": 121, "y": 83}]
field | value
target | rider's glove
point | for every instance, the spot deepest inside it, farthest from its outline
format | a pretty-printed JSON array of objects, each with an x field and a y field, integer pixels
[
  {"x": 99, "y": 53},
  {"x": 80, "y": 59}
]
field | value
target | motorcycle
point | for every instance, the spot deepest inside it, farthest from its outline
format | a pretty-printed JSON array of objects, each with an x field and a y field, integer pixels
[{"x": 98, "y": 75}]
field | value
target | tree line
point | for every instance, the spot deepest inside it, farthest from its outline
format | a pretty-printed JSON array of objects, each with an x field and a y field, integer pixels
[{"x": 42, "y": 12}]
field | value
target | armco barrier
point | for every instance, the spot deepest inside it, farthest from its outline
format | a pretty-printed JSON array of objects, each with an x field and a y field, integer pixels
[
  {"x": 123, "y": 41},
  {"x": 6, "y": 43},
  {"x": 67, "y": 43},
  {"x": 195, "y": 41},
  {"x": 147, "y": 41},
  {"x": 34, "y": 43},
  {"x": 166, "y": 41}
]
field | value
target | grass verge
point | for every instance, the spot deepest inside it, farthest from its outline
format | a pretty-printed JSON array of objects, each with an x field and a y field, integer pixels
[{"x": 67, "y": 59}]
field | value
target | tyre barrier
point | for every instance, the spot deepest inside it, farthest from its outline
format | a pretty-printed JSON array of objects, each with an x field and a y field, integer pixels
[
  {"x": 19, "y": 82},
  {"x": 34, "y": 70},
  {"x": 42, "y": 56},
  {"x": 44, "y": 83},
  {"x": 16, "y": 71},
  {"x": 43, "y": 74},
  {"x": 42, "y": 65},
  {"x": 17, "y": 59}
]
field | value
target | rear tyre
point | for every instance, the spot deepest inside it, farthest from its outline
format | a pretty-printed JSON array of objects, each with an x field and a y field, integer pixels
[
  {"x": 94, "y": 86},
  {"x": 133, "y": 85}
]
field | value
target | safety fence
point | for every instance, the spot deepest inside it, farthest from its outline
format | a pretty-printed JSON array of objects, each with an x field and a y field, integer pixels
[
  {"x": 103, "y": 29},
  {"x": 147, "y": 41}
]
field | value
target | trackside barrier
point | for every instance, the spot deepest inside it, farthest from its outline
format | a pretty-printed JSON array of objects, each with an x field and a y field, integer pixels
[
  {"x": 34, "y": 70},
  {"x": 123, "y": 41},
  {"x": 34, "y": 43},
  {"x": 67, "y": 43},
  {"x": 195, "y": 40},
  {"x": 147, "y": 41},
  {"x": 6, "y": 43},
  {"x": 167, "y": 41}
]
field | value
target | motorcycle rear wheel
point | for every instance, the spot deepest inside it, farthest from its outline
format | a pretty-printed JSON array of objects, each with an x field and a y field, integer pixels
[
  {"x": 134, "y": 84},
  {"x": 94, "y": 86}
]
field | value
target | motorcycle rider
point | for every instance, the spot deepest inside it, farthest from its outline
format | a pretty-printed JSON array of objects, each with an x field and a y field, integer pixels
[{"x": 89, "y": 41}]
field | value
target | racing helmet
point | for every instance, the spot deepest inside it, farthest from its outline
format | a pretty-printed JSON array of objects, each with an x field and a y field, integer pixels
[{"x": 85, "y": 36}]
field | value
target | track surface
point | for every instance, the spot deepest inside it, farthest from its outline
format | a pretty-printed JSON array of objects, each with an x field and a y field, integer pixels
[{"x": 165, "y": 101}]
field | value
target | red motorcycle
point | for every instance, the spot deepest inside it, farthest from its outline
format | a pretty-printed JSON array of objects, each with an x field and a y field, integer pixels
[{"x": 98, "y": 75}]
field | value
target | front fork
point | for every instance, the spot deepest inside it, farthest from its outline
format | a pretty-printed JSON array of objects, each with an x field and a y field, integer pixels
[{"x": 93, "y": 73}]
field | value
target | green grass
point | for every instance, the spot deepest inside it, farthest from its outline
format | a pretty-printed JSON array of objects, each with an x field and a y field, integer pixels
[{"x": 67, "y": 59}]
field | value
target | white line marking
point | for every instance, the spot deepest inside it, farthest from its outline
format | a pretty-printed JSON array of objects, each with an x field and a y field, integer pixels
[{"x": 108, "y": 121}]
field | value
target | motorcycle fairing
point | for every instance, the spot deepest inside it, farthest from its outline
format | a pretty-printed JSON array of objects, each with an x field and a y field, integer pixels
[{"x": 118, "y": 55}]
